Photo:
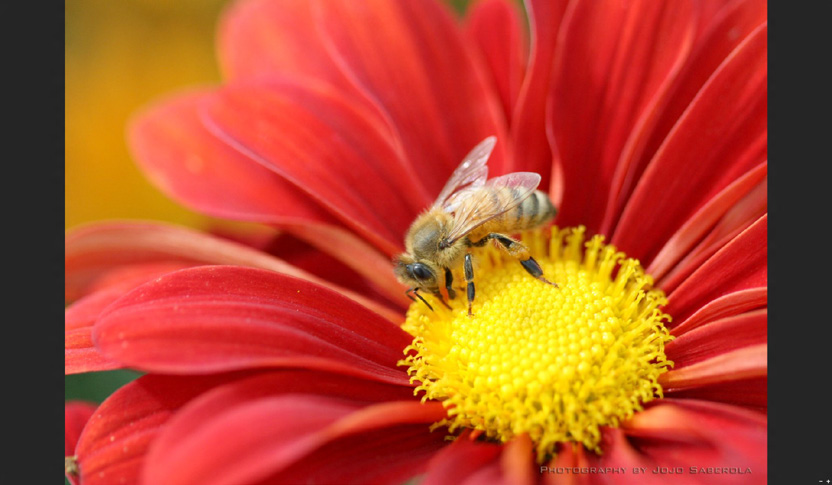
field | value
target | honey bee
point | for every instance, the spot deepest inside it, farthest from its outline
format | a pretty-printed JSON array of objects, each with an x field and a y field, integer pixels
[{"x": 469, "y": 212}]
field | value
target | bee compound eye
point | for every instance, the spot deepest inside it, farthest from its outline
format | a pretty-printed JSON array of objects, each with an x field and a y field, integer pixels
[{"x": 420, "y": 271}]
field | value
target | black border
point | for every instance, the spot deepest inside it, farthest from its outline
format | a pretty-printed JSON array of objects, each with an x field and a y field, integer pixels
[{"x": 800, "y": 196}]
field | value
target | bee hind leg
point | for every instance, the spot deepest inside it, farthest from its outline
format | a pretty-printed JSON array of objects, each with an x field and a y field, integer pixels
[
  {"x": 519, "y": 251},
  {"x": 534, "y": 269}
]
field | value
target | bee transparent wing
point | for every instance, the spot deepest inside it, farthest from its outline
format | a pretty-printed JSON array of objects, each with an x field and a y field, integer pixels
[
  {"x": 471, "y": 172},
  {"x": 476, "y": 207}
]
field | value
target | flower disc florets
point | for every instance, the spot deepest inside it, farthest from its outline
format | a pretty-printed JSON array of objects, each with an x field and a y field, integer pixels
[{"x": 556, "y": 363}]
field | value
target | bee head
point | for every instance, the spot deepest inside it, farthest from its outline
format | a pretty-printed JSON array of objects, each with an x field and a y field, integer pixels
[{"x": 414, "y": 273}]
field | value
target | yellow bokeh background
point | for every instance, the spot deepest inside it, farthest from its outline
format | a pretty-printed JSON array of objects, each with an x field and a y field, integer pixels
[{"x": 121, "y": 55}]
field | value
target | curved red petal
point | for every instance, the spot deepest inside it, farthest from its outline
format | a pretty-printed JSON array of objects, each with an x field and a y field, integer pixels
[
  {"x": 242, "y": 435},
  {"x": 612, "y": 68},
  {"x": 751, "y": 393},
  {"x": 112, "y": 446},
  {"x": 193, "y": 167},
  {"x": 721, "y": 27},
  {"x": 725, "y": 306},
  {"x": 717, "y": 338},
  {"x": 687, "y": 433},
  {"x": 357, "y": 173},
  {"x": 692, "y": 231},
  {"x": 569, "y": 455},
  {"x": 712, "y": 144},
  {"x": 495, "y": 26},
  {"x": 741, "y": 264},
  {"x": 470, "y": 462},
  {"x": 131, "y": 253},
  {"x": 416, "y": 66},
  {"x": 749, "y": 362},
  {"x": 357, "y": 254},
  {"x": 219, "y": 318},
  {"x": 76, "y": 415},
  {"x": 80, "y": 354},
  {"x": 391, "y": 455},
  {"x": 738, "y": 218},
  {"x": 182, "y": 433},
  {"x": 463, "y": 462},
  {"x": 259, "y": 39},
  {"x": 532, "y": 148}
]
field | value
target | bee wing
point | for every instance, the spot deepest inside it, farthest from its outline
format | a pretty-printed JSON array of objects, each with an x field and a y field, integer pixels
[
  {"x": 474, "y": 208},
  {"x": 471, "y": 172}
]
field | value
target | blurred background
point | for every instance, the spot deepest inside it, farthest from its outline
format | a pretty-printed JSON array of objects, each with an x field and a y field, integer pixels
[{"x": 119, "y": 56}]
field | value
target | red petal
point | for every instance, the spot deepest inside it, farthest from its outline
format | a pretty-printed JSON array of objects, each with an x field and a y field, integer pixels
[
  {"x": 718, "y": 337},
  {"x": 495, "y": 27},
  {"x": 262, "y": 38},
  {"x": 738, "y": 218},
  {"x": 80, "y": 354},
  {"x": 216, "y": 318},
  {"x": 725, "y": 25},
  {"x": 112, "y": 447},
  {"x": 517, "y": 461},
  {"x": 372, "y": 451},
  {"x": 465, "y": 461},
  {"x": 249, "y": 430},
  {"x": 528, "y": 130},
  {"x": 357, "y": 174},
  {"x": 358, "y": 255},
  {"x": 665, "y": 443},
  {"x": 97, "y": 252},
  {"x": 183, "y": 435},
  {"x": 746, "y": 363},
  {"x": 687, "y": 433},
  {"x": 559, "y": 469},
  {"x": 76, "y": 415},
  {"x": 705, "y": 218},
  {"x": 751, "y": 393},
  {"x": 725, "y": 306},
  {"x": 413, "y": 62},
  {"x": 740, "y": 265},
  {"x": 612, "y": 68},
  {"x": 711, "y": 145},
  {"x": 196, "y": 169},
  {"x": 470, "y": 462}
]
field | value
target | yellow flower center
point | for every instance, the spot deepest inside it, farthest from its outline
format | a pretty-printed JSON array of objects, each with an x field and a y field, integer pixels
[{"x": 556, "y": 363}]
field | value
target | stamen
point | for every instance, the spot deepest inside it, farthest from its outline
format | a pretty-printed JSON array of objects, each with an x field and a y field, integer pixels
[{"x": 557, "y": 363}]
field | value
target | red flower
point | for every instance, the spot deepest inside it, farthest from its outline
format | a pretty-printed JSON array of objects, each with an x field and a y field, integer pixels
[{"x": 338, "y": 123}]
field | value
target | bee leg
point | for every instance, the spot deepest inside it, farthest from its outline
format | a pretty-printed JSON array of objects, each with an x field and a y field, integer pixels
[
  {"x": 449, "y": 281},
  {"x": 521, "y": 252},
  {"x": 469, "y": 278},
  {"x": 415, "y": 291},
  {"x": 535, "y": 270}
]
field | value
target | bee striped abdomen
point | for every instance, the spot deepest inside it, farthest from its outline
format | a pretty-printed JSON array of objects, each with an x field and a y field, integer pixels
[{"x": 533, "y": 212}]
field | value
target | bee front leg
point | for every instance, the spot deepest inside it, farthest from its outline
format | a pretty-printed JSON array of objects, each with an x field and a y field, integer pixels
[
  {"x": 469, "y": 278},
  {"x": 415, "y": 291}
]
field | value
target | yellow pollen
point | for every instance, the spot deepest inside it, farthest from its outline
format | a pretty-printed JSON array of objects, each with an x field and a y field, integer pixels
[{"x": 556, "y": 363}]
